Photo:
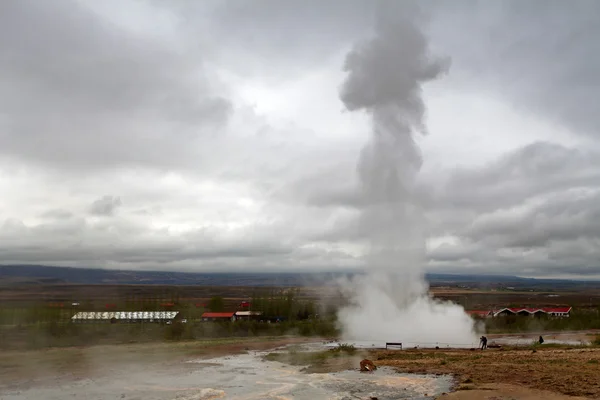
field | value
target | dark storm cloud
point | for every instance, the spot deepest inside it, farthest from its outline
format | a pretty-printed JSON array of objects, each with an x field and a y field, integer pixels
[{"x": 78, "y": 89}]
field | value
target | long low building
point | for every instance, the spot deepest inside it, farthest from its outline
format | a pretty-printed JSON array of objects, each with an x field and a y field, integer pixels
[
  {"x": 125, "y": 316},
  {"x": 523, "y": 311},
  {"x": 530, "y": 311}
]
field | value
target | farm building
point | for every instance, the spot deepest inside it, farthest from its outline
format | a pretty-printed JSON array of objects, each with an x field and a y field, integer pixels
[
  {"x": 523, "y": 311},
  {"x": 125, "y": 316},
  {"x": 218, "y": 316},
  {"x": 535, "y": 312},
  {"x": 247, "y": 315},
  {"x": 480, "y": 314}
]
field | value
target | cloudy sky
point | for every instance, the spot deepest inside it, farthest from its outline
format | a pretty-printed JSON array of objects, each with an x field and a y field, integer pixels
[{"x": 199, "y": 136}]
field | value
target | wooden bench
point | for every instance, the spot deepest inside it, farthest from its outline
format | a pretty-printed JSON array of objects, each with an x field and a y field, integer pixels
[{"x": 393, "y": 344}]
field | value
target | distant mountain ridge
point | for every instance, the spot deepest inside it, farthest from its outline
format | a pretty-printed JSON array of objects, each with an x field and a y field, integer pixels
[{"x": 40, "y": 274}]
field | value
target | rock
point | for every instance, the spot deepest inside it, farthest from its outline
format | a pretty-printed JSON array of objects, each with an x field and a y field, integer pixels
[{"x": 367, "y": 365}]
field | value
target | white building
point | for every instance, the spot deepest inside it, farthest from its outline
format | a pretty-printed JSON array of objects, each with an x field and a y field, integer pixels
[{"x": 125, "y": 316}]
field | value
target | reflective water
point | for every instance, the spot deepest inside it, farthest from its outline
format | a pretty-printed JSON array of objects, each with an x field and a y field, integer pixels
[{"x": 242, "y": 377}]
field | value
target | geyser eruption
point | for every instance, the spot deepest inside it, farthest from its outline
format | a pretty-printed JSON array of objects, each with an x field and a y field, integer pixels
[{"x": 391, "y": 302}]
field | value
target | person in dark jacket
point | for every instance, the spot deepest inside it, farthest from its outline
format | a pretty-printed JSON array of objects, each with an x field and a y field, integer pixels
[
  {"x": 541, "y": 340},
  {"x": 483, "y": 342}
]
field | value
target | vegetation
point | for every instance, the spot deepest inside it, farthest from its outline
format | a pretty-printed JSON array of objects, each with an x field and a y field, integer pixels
[
  {"x": 41, "y": 327},
  {"x": 344, "y": 348},
  {"x": 216, "y": 304},
  {"x": 579, "y": 320},
  {"x": 312, "y": 358},
  {"x": 285, "y": 304},
  {"x": 29, "y": 324}
]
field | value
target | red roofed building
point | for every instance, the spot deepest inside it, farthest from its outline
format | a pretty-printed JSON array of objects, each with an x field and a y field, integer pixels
[
  {"x": 533, "y": 312},
  {"x": 218, "y": 316},
  {"x": 558, "y": 311},
  {"x": 480, "y": 313}
]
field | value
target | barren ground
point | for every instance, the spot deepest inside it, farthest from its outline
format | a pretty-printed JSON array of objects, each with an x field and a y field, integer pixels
[
  {"x": 568, "y": 371},
  {"x": 550, "y": 372}
]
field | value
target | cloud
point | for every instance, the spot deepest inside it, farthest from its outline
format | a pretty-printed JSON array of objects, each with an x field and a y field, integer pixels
[
  {"x": 105, "y": 206},
  {"x": 79, "y": 90},
  {"x": 270, "y": 39},
  {"x": 512, "y": 48},
  {"x": 56, "y": 214},
  {"x": 536, "y": 208},
  {"x": 219, "y": 127}
]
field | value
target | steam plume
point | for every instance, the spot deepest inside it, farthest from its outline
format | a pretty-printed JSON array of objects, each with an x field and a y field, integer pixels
[{"x": 384, "y": 79}]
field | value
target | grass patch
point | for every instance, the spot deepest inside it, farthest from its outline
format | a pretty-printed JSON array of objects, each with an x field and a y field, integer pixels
[
  {"x": 344, "y": 348},
  {"x": 315, "y": 359},
  {"x": 67, "y": 334},
  {"x": 300, "y": 357}
]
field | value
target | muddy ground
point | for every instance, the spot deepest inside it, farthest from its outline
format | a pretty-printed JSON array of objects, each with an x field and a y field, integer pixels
[
  {"x": 552, "y": 372},
  {"x": 193, "y": 372},
  {"x": 568, "y": 371},
  {"x": 24, "y": 369}
]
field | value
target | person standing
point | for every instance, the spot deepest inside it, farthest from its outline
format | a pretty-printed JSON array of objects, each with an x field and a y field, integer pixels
[{"x": 483, "y": 342}]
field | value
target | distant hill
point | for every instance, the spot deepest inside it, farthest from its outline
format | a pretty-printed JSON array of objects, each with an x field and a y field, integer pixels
[
  {"x": 32, "y": 274},
  {"x": 39, "y": 274}
]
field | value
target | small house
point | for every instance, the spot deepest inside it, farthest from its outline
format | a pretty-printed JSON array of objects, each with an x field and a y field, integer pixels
[
  {"x": 247, "y": 315},
  {"x": 479, "y": 313},
  {"x": 218, "y": 316}
]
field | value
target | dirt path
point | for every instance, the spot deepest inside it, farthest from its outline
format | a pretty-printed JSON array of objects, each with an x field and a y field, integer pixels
[{"x": 573, "y": 372}]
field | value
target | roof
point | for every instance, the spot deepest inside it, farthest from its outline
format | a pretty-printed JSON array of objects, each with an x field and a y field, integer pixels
[
  {"x": 218, "y": 315},
  {"x": 531, "y": 310},
  {"x": 479, "y": 312},
  {"x": 124, "y": 315},
  {"x": 558, "y": 309},
  {"x": 247, "y": 313}
]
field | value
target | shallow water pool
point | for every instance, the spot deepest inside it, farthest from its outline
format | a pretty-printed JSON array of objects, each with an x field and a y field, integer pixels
[{"x": 239, "y": 377}]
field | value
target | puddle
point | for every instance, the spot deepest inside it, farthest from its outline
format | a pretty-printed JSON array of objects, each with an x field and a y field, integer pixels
[
  {"x": 405, "y": 345},
  {"x": 517, "y": 341},
  {"x": 241, "y": 377},
  {"x": 527, "y": 339}
]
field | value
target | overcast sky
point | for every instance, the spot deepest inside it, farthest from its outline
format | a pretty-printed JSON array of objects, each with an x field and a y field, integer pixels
[{"x": 210, "y": 135}]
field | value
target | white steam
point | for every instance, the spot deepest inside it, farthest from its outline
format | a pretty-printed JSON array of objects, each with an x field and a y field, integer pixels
[{"x": 391, "y": 301}]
